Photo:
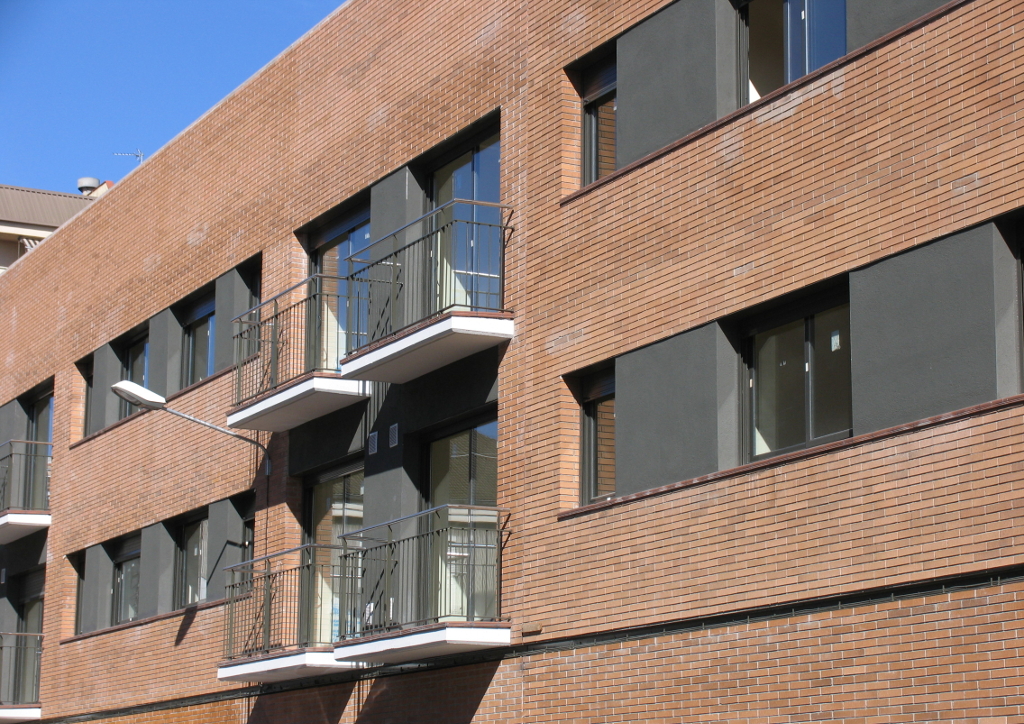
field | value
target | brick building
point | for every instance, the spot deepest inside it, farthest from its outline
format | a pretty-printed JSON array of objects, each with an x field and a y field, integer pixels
[{"x": 608, "y": 362}]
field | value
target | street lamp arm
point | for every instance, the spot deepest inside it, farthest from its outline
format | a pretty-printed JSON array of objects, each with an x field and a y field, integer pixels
[{"x": 210, "y": 425}]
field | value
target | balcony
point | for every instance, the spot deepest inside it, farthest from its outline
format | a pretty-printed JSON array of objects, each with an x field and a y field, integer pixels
[
  {"x": 24, "y": 489},
  {"x": 423, "y": 586},
  {"x": 428, "y": 294},
  {"x": 286, "y": 358},
  {"x": 375, "y": 598},
  {"x": 19, "y": 677}
]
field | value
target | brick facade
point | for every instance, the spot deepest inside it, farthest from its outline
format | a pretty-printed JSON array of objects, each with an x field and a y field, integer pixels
[{"x": 909, "y": 141}]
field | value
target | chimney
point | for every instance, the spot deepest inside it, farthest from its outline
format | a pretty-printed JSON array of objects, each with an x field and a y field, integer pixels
[{"x": 88, "y": 184}]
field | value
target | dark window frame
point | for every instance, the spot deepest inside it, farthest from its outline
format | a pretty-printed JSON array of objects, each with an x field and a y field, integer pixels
[
  {"x": 594, "y": 388},
  {"x": 125, "y": 550},
  {"x": 598, "y": 84},
  {"x": 200, "y": 313},
  {"x": 124, "y": 349},
  {"x": 181, "y": 528},
  {"x": 801, "y": 306}
]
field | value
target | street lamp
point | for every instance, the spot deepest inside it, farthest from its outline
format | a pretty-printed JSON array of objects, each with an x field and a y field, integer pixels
[{"x": 139, "y": 396}]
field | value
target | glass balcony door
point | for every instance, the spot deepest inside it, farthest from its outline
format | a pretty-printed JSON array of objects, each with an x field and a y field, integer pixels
[{"x": 40, "y": 430}]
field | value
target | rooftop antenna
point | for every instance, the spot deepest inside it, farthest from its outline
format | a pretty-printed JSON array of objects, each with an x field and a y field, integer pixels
[{"x": 137, "y": 153}]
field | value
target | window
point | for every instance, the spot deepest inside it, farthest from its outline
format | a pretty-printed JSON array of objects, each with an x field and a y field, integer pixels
[
  {"x": 126, "y": 579},
  {"x": 787, "y": 39},
  {"x": 38, "y": 451},
  {"x": 135, "y": 367},
  {"x": 464, "y": 467},
  {"x": 336, "y": 243},
  {"x": 199, "y": 327},
  {"x": 597, "y": 449},
  {"x": 192, "y": 544},
  {"x": 336, "y": 504},
  {"x": 800, "y": 382},
  {"x": 597, "y": 91},
  {"x": 85, "y": 368}
]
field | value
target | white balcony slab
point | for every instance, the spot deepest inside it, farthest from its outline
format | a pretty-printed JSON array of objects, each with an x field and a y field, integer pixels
[
  {"x": 20, "y": 713},
  {"x": 425, "y": 350},
  {"x": 295, "y": 404},
  {"x": 18, "y": 524},
  {"x": 298, "y": 665},
  {"x": 424, "y": 644}
]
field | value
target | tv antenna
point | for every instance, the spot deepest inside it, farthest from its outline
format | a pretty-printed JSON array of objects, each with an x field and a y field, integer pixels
[{"x": 137, "y": 153}]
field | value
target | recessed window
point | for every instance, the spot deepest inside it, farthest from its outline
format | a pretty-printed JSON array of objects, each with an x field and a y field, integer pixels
[
  {"x": 85, "y": 368},
  {"x": 787, "y": 39},
  {"x": 800, "y": 382},
  {"x": 197, "y": 355},
  {"x": 464, "y": 467},
  {"x": 135, "y": 367},
  {"x": 192, "y": 550},
  {"x": 597, "y": 445},
  {"x": 597, "y": 91},
  {"x": 336, "y": 504},
  {"x": 35, "y": 495},
  {"x": 126, "y": 579}
]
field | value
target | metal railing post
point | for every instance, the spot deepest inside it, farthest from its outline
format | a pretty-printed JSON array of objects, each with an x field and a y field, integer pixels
[{"x": 266, "y": 605}]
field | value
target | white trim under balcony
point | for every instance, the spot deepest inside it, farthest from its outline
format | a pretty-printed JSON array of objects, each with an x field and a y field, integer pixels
[
  {"x": 408, "y": 356},
  {"x": 288, "y": 666},
  {"x": 20, "y": 713},
  {"x": 297, "y": 403},
  {"x": 18, "y": 524},
  {"x": 440, "y": 640}
]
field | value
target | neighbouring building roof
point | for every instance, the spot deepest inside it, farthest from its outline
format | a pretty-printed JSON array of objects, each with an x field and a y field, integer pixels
[{"x": 38, "y": 207}]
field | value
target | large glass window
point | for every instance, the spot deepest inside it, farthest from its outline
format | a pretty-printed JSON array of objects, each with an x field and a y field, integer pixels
[
  {"x": 336, "y": 505},
  {"x": 135, "y": 367},
  {"x": 126, "y": 579},
  {"x": 192, "y": 542},
  {"x": 464, "y": 467},
  {"x": 598, "y": 93},
  {"x": 28, "y": 593},
  {"x": 597, "y": 449},
  {"x": 40, "y": 433},
  {"x": 800, "y": 384},
  {"x": 199, "y": 327},
  {"x": 338, "y": 311},
  {"x": 787, "y": 39}
]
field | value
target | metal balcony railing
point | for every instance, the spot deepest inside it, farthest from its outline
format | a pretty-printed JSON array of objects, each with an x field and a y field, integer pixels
[
  {"x": 25, "y": 475},
  {"x": 449, "y": 259},
  {"x": 19, "y": 668},
  {"x": 445, "y": 567}
]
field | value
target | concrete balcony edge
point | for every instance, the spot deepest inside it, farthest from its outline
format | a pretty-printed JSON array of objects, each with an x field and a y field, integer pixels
[
  {"x": 422, "y": 349},
  {"x": 439, "y": 640},
  {"x": 18, "y": 713},
  {"x": 15, "y": 524},
  {"x": 284, "y": 667},
  {"x": 305, "y": 399}
]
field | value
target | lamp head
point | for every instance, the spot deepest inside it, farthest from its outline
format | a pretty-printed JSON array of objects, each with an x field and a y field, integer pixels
[{"x": 138, "y": 395}]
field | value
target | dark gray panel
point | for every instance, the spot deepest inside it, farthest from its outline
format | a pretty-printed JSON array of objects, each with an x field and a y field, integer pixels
[
  {"x": 164, "y": 353},
  {"x": 13, "y": 422},
  {"x": 233, "y": 297},
  {"x": 26, "y": 553},
  {"x": 158, "y": 559},
  {"x": 223, "y": 546},
  {"x": 97, "y": 590},
  {"x": 326, "y": 440},
  {"x": 923, "y": 330},
  {"x": 868, "y": 20},
  {"x": 105, "y": 404},
  {"x": 452, "y": 391},
  {"x": 676, "y": 73},
  {"x": 728, "y": 370},
  {"x": 666, "y": 404},
  {"x": 394, "y": 202},
  {"x": 390, "y": 483}
]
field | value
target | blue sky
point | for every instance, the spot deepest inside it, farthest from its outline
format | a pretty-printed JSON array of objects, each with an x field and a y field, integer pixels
[{"x": 81, "y": 80}]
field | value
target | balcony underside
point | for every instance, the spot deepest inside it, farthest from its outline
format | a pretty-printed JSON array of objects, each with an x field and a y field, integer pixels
[
  {"x": 20, "y": 713},
  {"x": 15, "y": 524},
  {"x": 443, "y": 639},
  {"x": 292, "y": 665},
  {"x": 304, "y": 400},
  {"x": 412, "y": 354}
]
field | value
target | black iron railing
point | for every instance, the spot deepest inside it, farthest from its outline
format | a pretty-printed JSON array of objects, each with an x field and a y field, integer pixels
[
  {"x": 445, "y": 567},
  {"x": 25, "y": 475},
  {"x": 19, "y": 668},
  {"x": 450, "y": 259}
]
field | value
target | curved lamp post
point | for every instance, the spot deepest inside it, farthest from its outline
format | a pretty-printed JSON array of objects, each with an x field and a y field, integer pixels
[{"x": 139, "y": 396}]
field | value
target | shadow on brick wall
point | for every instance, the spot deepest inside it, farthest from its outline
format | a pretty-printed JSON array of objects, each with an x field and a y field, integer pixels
[
  {"x": 320, "y": 705},
  {"x": 451, "y": 696}
]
